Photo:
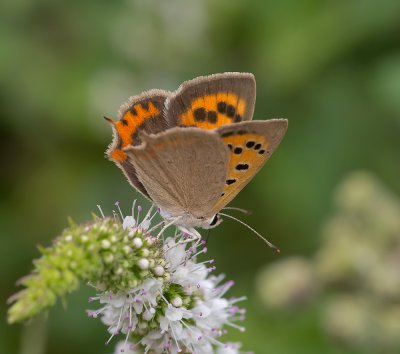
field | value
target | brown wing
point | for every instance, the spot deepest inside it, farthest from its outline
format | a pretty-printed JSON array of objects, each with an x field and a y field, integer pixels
[
  {"x": 211, "y": 101},
  {"x": 143, "y": 113},
  {"x": 182, "y": 169},
  {"x": 250, "y": 145}
]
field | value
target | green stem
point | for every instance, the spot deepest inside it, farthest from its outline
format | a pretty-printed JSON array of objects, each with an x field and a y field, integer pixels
[{"x": 33, "y": 339}]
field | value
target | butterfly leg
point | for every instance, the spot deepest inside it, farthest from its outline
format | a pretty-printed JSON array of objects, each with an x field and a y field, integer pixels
[
  {"x": 165, "y": 226},
  {"x": 186, "y": 236},
  {"x": 193, "y": 234}
]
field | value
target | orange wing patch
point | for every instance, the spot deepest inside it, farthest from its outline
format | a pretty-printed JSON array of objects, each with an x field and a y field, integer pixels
[
  {"x": 119, "y": 155},
  {"x": 213, "y": 111},
  {"x": 248, "y": 153},
  {"x": 126, "y": 129},
  {"x": 127, "y": 126},
  {"x": 134, "y": 118}
]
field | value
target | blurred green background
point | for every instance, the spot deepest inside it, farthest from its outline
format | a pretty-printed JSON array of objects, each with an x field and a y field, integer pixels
[{"x": 332, "y": 68}]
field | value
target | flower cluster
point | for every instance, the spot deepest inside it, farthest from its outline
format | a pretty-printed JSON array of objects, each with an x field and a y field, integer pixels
[
  {"x": 152, "y": 291},
  {"x": 183, "y": 309}
]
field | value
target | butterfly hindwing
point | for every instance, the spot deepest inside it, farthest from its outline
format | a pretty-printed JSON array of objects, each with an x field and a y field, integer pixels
[
  {"x": 143, "y": 113},
  {"x": 183, "y": 169},
  {"x": 209, "y": 102},
  {"x": 250, "y": 145}
]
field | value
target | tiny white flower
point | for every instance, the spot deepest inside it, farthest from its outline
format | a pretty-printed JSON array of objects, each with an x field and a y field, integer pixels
[
  {"x": 143, "y": 263},
  {"x": 158, "y": 270},
  {"x": 125, "y": 348},
  {"x": 129, "y": 222},
  {"x": 116, "y": 300},
  {"x": 105, "y": 244},
  {"x": 229, "y": 348},
  {"x": 174, "y": 254},
  {"x": 137, "y": 242},
  {"x": 177, "y": 301},
  {"x": 145, "y": 224},
  {"x": 164, "y": 323},
  {"x": 176, "y": 314},
  {"x": 148, "y": 315}
]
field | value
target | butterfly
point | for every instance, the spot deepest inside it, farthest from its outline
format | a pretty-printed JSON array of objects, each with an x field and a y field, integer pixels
[{"x": 193, "y": 150}]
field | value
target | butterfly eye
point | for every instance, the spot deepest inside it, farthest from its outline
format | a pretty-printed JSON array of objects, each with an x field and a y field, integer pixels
[{"x": 214, "y": 220}]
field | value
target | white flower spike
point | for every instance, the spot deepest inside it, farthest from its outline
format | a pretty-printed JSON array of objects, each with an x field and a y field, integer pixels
[{"x": 180, "y": 307}]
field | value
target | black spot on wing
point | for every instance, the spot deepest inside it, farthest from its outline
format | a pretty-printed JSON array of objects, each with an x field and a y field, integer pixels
[
  {"x": 230, "y": 111},
  {"x": 242, "y": 166},
  {"x": 199, "y": 114},
  {"x": 212, "y": 117},
  {"x": 221, "y": 106}
]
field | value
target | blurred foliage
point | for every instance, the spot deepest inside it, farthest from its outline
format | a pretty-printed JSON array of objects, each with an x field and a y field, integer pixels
[
  {"x": 332, "y": 68},
  {"x": 355, "y": 270}
]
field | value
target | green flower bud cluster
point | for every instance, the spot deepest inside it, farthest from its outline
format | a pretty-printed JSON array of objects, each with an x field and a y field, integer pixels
[{"x": 101, "y": 252}]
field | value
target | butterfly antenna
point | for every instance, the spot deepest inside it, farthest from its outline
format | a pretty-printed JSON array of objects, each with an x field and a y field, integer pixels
[
  {"x": 244, "y": 211},
  {"x": 109, "y": 120},
  {"x": 250, "y": 228}
]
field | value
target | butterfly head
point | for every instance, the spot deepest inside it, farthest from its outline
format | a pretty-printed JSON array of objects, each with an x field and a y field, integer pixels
[
  {"x": 212, "y": 222},
  {"x": 207, "y": 223}
]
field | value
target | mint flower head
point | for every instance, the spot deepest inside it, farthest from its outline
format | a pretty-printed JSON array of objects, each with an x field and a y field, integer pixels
[{"x": 151, "y": 292}]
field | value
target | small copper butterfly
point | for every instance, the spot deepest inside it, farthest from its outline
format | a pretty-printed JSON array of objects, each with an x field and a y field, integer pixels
[{"x": 193, "y": 150}]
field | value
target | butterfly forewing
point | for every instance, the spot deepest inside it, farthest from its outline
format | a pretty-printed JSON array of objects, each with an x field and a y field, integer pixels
[
  {"x": 183, "y": 169},
  {"x": 209, "y": 102},
  {"x": 142, "y": 113},
  {"x": 250, "y": 145}
]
